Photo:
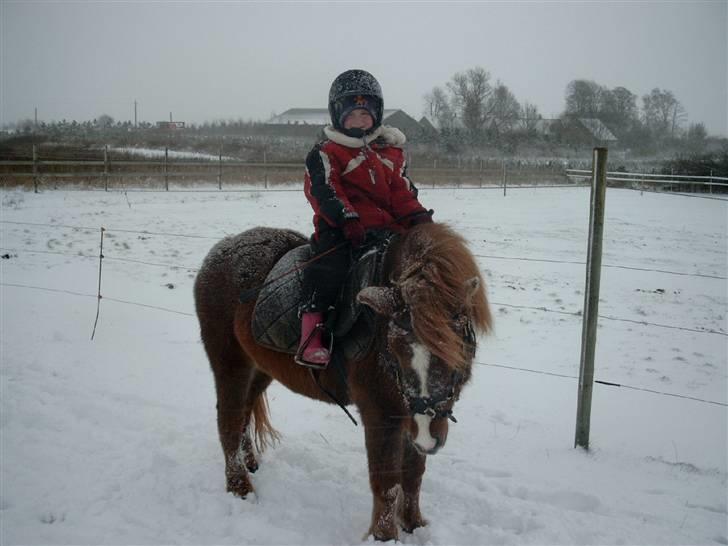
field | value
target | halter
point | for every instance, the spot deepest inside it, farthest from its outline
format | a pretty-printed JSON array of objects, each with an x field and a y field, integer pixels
[{"x": 424, "y": 405}]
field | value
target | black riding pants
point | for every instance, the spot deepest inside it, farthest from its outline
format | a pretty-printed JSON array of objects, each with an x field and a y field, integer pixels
[{"x": 322, "y": 280}]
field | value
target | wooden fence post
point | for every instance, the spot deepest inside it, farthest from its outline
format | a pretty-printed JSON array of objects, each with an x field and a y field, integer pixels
[
  {"x": 219, "y": 170},
  {"x": 166, "y": 168},
  {"x": 265, "y": 168},
  {"x": 591, "y": 297},
  {"x": 106, "y": 168},
  {"x": 504, "y": 178},
  {"x": 35, "y": 168}
]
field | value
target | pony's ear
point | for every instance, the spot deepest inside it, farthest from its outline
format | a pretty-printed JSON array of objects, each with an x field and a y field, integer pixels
[
  {"x": 381, "y": 299},
  {"x": 471, "y": 287}
]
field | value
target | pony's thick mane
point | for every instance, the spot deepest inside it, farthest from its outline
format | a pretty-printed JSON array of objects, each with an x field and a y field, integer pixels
[{"x": 435, "y": 275}]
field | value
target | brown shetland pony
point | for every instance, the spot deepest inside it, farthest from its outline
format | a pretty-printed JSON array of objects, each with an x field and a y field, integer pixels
[{"x": 429, "y": 313}]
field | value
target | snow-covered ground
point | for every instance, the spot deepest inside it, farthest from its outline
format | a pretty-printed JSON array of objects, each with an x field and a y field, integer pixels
[{"x": 113, "y": 441}]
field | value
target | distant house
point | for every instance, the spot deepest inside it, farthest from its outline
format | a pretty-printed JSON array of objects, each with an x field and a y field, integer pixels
[
  {"x": 590, "y": 131},
  {"x": 429, "y": 130},
  {"x": 301, "y": 116},
  {"x": 170, "y": 125},
  {"x": 546, "y": 127},
  {"x": 598, "y": 130},
  {"x": 319, "y": 117}
]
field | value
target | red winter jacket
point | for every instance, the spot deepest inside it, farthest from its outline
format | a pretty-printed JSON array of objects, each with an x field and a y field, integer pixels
[{"x": 365, "y": 178}]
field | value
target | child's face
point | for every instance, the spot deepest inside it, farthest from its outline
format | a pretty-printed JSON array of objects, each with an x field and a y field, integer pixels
[{"x": 358, "y": 119}]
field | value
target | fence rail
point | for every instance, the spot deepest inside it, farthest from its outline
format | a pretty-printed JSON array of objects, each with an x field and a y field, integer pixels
[
  {"x": 93, "y": 171},
  {"x": 644, "y": 178},
  {"x": 482, "y": 173}
]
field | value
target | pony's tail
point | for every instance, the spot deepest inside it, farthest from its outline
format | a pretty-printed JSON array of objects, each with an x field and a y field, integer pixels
[{"x": 264, "y": 433}]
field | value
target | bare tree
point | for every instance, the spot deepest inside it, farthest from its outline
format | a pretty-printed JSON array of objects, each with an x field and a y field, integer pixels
[
  {"x": 529, "y": 117},
  {"x": 435, "y": 100},
  {"x": 583, "y": 99},
  {"x": 503, "y": 109},
  {"x": 696, "y": 136},
  {"x": 104, "y": 121},
  {"x": 471, "y": 92},
  {"x": 438, "y": 108},
  {"x": 625, "y": 105},
  {"x": 663, "y": 114}
]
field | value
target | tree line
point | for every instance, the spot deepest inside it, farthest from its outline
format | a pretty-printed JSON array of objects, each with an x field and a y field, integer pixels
[
  {"x": 471, "y": 108},
  {"x": 473, "y": 112}
]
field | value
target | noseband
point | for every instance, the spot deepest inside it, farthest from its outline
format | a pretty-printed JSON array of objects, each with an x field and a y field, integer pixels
[{"x": 432, "y": 407}]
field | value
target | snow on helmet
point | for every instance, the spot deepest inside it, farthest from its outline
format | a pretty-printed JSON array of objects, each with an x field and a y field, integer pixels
[{"x": 355, "y": 89}]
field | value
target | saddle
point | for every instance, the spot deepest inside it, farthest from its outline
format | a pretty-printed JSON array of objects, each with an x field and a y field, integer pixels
[{"x": 276, "y": 323}]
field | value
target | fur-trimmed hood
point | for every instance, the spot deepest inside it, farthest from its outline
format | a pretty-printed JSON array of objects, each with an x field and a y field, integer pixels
[{"x": 391, "y": 136}]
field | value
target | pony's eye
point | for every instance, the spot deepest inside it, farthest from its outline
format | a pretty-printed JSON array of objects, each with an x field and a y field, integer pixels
[{"x": 403, "y": 320}]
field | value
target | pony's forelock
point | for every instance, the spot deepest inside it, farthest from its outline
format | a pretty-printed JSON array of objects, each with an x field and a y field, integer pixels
[{"x": 435, "y": 283}]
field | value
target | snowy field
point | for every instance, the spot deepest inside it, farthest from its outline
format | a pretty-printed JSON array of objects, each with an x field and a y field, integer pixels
[
  {"x": 152, "y": 153},
  {"x": 113, "y": 441}
]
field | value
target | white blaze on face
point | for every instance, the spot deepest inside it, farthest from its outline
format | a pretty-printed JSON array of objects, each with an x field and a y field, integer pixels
[{"x": 421, "y": 365}]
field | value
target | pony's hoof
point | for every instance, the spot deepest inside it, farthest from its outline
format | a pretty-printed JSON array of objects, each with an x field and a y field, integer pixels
[
  {"x": 251, "y": 464},
  {"x": 240, "y": 486},
  {"x": 409, "y": 527},
  {"x": 386, "y": 537},
  {"x": 383, "y": 535}
]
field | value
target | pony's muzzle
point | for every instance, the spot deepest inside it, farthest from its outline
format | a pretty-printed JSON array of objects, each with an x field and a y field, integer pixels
[{"x": 431, "y": 434}]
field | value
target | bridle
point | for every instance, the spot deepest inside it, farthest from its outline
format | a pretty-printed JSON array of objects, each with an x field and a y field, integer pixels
[
  {"x": 432, "y": 407},
  {"x": 429, "y": 406}
]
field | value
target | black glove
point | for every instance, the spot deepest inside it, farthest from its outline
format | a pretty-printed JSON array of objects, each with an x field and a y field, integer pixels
[
  {"x": 354, "y": 231},
  {"x": 424, "y": 217}
]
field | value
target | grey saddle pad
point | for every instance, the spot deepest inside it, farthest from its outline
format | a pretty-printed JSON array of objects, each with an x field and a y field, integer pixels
[{"x": 276, "y": 324}]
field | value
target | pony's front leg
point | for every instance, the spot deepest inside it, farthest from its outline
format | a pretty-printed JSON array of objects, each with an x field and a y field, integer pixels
[
  {"x": 384, "y": 441},
  {"x": 413, "y": 467}
]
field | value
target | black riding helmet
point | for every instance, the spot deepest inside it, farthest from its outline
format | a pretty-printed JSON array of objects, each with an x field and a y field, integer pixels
[{"x": 355, "y": 89}]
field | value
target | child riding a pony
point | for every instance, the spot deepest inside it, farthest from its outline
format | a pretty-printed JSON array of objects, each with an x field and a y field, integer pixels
[{"x": 356, "y": 180}]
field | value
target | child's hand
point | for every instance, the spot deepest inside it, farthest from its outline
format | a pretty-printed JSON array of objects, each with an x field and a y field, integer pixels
[{"x": 354, "y": 232}]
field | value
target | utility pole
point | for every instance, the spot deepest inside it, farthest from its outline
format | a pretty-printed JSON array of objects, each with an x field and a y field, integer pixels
[{"x": 135, "y": 115}]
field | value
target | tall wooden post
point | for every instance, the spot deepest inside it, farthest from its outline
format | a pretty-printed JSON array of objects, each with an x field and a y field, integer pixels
[
  {"x": 35, "y": 168},
  {"x": 166, "y": 166},
  {"x": 591, "y": 297},
  {"x": 219, "y": 170},
  {"x": 504, "y": 178},
  {"x": 265, "y": 168},
  {"x": 106, "y": 168}
]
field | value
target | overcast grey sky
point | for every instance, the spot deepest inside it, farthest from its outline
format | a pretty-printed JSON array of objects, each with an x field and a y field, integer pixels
[{"x": 222, "y": 60}]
